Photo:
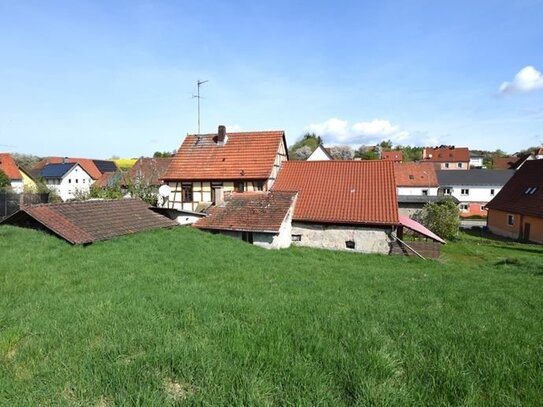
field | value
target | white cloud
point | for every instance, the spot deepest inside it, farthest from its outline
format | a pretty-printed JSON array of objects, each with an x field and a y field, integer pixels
[
  {"x": 337, "y": 131},
  {"x": 527, "y": 79}
]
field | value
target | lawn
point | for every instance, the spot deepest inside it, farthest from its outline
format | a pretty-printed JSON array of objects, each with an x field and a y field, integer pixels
[{"x": 182, "y": 317}]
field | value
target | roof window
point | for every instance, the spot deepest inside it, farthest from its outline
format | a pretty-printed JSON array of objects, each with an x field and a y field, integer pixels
[{"x": 530, "y": 190}]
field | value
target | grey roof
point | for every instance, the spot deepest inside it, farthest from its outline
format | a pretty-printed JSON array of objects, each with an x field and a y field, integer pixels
[
  {"x": 424, "y": 198},
  {"x": 56, "y": 170},
  {"x": 105, "y": 165},
  {"x": 473, "y": 177}
]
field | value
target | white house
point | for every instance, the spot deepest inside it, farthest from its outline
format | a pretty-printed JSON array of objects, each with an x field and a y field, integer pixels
[
  {"x": 67, "y": 179},
  {"x": 473, "y": 189},
  {"x": 320, "y": 154}
]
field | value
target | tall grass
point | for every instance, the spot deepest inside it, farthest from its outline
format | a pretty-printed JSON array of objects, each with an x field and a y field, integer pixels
[{"x": 181, "y": 317}]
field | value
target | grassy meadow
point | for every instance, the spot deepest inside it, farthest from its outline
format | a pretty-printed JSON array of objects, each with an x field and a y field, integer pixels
[{"x": 182, "y": 317}]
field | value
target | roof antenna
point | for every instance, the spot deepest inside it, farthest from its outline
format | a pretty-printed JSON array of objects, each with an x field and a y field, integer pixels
[{"x": 199, "y": 83}]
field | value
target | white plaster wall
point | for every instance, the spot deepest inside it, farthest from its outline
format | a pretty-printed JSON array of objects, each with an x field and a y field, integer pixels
[
  {"x": 476, "y": 194},
  {"x": 80, "y": 181},
  {"x": 367, "y": 239},
  {"x": 318, "y": 155},
  {"x": 432, "y": 191},
  {"x": 17, "y": 186},
  {"x": 187, "y": 219}
]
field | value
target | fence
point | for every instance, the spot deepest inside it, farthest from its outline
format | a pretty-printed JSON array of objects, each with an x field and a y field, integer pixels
[
  {"x": 10, "y": 202},
  {"x": 428, "y": 249}
]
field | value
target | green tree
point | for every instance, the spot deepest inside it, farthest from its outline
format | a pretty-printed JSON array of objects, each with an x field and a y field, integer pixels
[
  {"x": 310, "y": 140},
  {"x": 442, "y": 218},
  {"x": 5, "y": 182}
]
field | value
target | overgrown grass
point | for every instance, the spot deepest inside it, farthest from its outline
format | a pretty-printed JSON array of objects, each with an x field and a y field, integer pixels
[{"x": 181, "y": 317}]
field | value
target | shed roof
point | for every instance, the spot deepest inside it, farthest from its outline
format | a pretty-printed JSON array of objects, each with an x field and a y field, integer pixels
[
  {"x": 89, "y": 221},
  {"x": 255, "y": 212},
  {"x": 351, "y": 192},
  {"x": 248, "y": 155},
  {"x": 474, "y": 177},
  {"x": 523, "y": 193},
  {"x": 9, "y": 167}
]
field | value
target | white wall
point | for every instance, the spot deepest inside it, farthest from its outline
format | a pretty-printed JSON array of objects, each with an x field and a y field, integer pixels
[
  {"x": 318, "y": 155},
  {"x": 476, "y": 194},
  {"x": 77, "y": 179},
  {"x": 17, "y": 186},
  {"x": 432, "y": 191}
]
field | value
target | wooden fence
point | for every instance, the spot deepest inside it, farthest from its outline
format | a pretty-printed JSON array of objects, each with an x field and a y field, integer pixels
[{"x": 428, "y": 249}]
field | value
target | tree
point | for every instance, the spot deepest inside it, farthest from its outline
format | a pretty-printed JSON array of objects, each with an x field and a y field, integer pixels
[
  {"x": 386, "y": 145},
  {"x": 341, "y": 152},
  {"x": 367, "y": 153},
  {"x": 25, "y": 160},
  {"x": 164, "y": 154},
  {"x": 311, "y": 140},
  {"x": 302, "y": 153},
  {"x": 5, "y": 182},
  {"x": 442, "y": 218}
]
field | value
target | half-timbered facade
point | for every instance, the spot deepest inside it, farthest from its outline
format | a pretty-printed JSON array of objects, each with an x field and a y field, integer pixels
[{"x": 207, "y": 166}]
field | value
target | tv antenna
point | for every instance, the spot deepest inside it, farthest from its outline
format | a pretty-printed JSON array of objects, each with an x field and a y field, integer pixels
[{"x": 199, "y": 83}]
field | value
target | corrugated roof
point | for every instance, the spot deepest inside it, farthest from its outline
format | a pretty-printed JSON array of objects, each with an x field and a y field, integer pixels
[
  {"x": 359, "y": 192},
  {"x": 56, "y": 170},
  {"x": 9, "y": 167},
  {"x": 255, "y": 212},
  {"x": 249, "y": 155},
  {"x": 516, "y": 195},
  {"x": 446, "y": 154},
  {"x": 89, "y": 221},
  {"x": 415, "y": 174},
  {"x": 474, "y": 177}
]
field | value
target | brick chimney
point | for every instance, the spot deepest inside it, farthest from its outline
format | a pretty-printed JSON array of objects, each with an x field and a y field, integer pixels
[{"x": 222, "y": 137}]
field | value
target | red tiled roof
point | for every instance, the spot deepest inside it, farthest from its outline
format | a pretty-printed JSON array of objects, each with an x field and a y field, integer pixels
[
  {"x": 89, "y": 221},
  {"x": 9, "y": 167},
  {"x": 513, "y": 197},
  {"x": 446, "y": 154},
  {"x": 507, "y": 163},
  {"x": 392, "y": 155},
  {"x": 103, "y": 181},
  {"x": 149, "y": 170},
  {"x": 360, "y": 192},
  {"x": 415, "y": 174},
  {"x": 244, "y": 155},
  {"x": 258, "y": 211},
  {"x": 86, "y": 163}
]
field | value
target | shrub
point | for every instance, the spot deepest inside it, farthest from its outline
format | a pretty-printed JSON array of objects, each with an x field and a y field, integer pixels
[{"x": 441, "y": 218}]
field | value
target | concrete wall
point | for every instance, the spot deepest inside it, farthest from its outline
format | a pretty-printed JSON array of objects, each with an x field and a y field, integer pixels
[{"x": 366, "y": 239}]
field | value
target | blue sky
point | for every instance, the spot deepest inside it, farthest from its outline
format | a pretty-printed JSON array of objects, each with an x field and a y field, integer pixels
[{"x": 98, "y": 79}]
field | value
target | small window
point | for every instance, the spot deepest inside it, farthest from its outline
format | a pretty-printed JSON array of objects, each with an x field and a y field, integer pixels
[
  {"x": 247, "y": 237},
  {"x": 77, "y": 180},
  {"x": 69, "y": 181},
  {"x": 259, "y": 186},
  {"x": 530, "y": 190},
  {"x": 463, "y": 207},
  {"x": 84, "y": 180},
  {"x": 349, "y": 244},
  {"x": 446, "y": 165},
  {"x": 492, "y": 192},
  {"x": 447, "y": 191},
  {"x": 425, "y": 192},
  {"x": 459, "y": 165},
  {"x": 411, "y": 176},
  {"x": 464, "y": 191},
  {"x": 187, "y": 192},
  {"x": 296, "y": 238},
  {"x": 239, "y": 186},
  {"x": 510, "y": 220},
  {"x": 482, "y": 208}
]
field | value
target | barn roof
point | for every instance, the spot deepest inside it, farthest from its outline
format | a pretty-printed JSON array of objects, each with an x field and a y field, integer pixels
[
  {"x": 255, "y": 212},
  {"x": 350, "y": 192},
  {"x": 89, "y": 221},
  {"x": 248, "y": 155}
]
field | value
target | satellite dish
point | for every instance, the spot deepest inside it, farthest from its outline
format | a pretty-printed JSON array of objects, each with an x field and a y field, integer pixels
[{"x": 164, "y": 191}]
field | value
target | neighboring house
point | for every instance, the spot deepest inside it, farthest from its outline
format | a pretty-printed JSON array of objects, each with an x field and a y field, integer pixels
[
  {"x": 476, "y": 160},
  {"x": 395, "y": 156},
  {"x": 207, "y": 166},
  {"x": 342, "y": 205},
  {"x": 67, "y": 180},
  {"x": 508, "y": 163},
  {"x": 261, "y": 218},
  {"x": 19, "y": 177},
  {"x": 473, "y": 189},
  {"x": 517, "y": 211},
  {"x": 85, "y": 222},
  {"x": 320, "y": 154},
  {"x": 95, "y": 168},
  {"x": 447, "y": 157}
]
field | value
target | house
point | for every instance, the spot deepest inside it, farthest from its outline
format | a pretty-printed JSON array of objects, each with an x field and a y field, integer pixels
[
  {"x": 473, "y": 189},
  {"x": 20, "y": 178},
  {"x": 447, "y": 157},
  {"x": 508, "y": 163},
  {"x": 85, "y": 222},
  {"x": 68, "y": 180},
  {"x": 148, "y": 171},
  {"x": 342, "y": 205},
  {"x": 517, "y": 210},
  {"x": 95, "y": 168},
  {"x": 476, "y": 160},
  {"x": 207, "y": 166},
  {"x": 261, "y": 218},
  {"x": 320, "y": 154},
  {"x": 395, "y": 156}
]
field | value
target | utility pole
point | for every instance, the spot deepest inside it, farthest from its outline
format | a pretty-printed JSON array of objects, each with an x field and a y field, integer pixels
[{"x": 199, "y": 83}]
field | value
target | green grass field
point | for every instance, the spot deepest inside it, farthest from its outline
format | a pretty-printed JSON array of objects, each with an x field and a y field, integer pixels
[{"x": 181, "y": 317}]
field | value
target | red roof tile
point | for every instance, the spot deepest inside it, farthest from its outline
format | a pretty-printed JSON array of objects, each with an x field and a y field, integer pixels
[
  {"x": 244, "y": 155},
  {"x": 415, "y": 174},
  {"x": 392, "y": 156},
  {"x": 256, "y": 212},
  {"x": 89, "y": 221},
  {"x": 445, "y": 154},
  {"x": 508, "y": 163},
  {"x": 86, "y": 163},
  {"x": 360, "y": 192},
  {"x": 9, "y": 167},
  {"x": 149, "y": 170},
  {"x": 513, "y": 197}
]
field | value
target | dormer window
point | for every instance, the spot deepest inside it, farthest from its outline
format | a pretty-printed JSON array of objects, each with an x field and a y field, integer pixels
[{"x": 530, "y": 190}]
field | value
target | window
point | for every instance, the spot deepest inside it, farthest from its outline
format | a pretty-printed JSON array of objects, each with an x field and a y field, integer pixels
[
  {"x": 69, "y": 181},
  {"x": 411, "y": 176},
  {"x": 425, "y": 192},
  {"x": 77, "y": 180},
  {"x": 510, "y": 220},
  {"x": 446, "y": 165},
  {"x": 247, "y": 237},
  {"x": 459, "y": 165},
  {"x": 447, "y": 191},
  {"x": 349, "y": 244},
  {"x": 530, "y": 190},
  {"x": 464, "y": 191},
  {"x": 239, "y": 186},
  {"x": 259, "y": 186},
  {"x": 463, "y": 207},
  {"x": 492, "y": 192},
  {"x": 482, "y": 208},
  {"x": 296, "y": 238},
  {"x": 84, "y": 180},
  {"x": 187, "y": 192}
]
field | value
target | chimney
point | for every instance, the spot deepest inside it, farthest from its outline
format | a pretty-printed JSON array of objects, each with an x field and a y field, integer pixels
[{"x": 221, "y": 136}]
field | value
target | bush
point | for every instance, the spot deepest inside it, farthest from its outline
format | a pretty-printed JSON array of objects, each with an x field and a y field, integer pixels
[{"x": 442, "y": 218}]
